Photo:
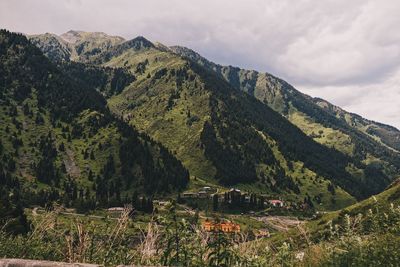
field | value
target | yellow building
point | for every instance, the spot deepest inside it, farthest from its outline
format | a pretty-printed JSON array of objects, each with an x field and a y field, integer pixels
[{"x": 226, "y": 227}]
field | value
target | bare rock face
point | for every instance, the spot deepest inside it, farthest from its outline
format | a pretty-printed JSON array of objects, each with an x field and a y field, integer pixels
[{"x": 39, "y": 263}]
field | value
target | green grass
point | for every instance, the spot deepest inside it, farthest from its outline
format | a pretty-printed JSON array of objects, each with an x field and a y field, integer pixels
[
  {"x": 323, "y": 135},
  {"x": 150, "y": 113},
  {"x": 310, "y": 183},
  {"x": 170, "y": 128},
  {"x": 381, "y": 201}
]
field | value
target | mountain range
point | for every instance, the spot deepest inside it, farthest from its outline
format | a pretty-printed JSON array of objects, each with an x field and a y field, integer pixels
[{"x": 167, "y": 113}]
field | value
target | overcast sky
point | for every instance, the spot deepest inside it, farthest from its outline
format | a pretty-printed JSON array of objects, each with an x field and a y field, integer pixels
[{"x": 347, "y": 52}]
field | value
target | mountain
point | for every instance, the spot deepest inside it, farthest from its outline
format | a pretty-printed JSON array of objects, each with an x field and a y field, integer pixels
[
  {"x": 301, "y": 109},
  {"x": 386, "y": 134},
  {"x": 52, "y": 46},
  {"x": 217, "y": 132},
  {"x": 327, "y": 124},
  {"x": 243, "y": 128},
  {"x": 74, "y": 45},
  {"x": 59, "y": 141}
]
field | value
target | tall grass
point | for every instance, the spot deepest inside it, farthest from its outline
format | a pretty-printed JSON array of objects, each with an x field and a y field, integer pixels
[{"x": 369, "y": 239}]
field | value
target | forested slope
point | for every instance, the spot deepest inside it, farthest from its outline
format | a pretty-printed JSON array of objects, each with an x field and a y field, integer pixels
[{"x": 58, "y": 140}]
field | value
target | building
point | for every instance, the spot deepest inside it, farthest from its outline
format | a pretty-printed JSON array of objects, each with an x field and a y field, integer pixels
[
  {"x": 190, "y": 195},
  {"x": 207, "y": 189},
  {"x": 203, "y": 194},
  {"x": 116, "y": 209},
  {"x": 234, "y": 195},
  {"x": 226, "y": 226},
  {"x": 262, "y": 233},
  {"x": 235, "y": 192},
  {"x": 276, "y": 202},
  {"x": 161, "y": 203}
]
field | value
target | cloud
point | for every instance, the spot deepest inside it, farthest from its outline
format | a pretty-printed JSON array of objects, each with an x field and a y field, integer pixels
[
  {"x": 376, "y": 101},
  {"x": 359, "y": 49},
  {"x": 345, "y": 51}
]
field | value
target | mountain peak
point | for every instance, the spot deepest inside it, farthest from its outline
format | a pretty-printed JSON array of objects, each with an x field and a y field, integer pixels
[
  {"x": 71, "y": 36},
  {"x": 74, "y": 36},
  {"x": 186, "y": 52},
  {"x": 138, "y": 43}
]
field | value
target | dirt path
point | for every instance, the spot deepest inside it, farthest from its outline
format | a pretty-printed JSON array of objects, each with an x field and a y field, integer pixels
[
  {"x": 280, "y": 223},
  {"x": 36, "y": 210}
]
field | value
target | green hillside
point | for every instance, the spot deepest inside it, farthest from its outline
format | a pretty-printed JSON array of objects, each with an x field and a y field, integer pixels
[
  {"x": 285, "y": 99},
  {"x": 370, "y": 142},
  {"x": 380, "y": 203},
  {"x": 207, "y": 125},
  {"x": 58, "y": 140},
  {"x": 229, "y": 137},
  {"x": 385, "y": 134}
]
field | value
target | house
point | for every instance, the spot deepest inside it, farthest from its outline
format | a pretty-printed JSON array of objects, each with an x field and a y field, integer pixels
[
  {"x": 203, "y": 194},
  {"x": 262, "y": 233},
  {"x": 226, "y": 226},
  {"x": 229, "y": 227},
  {"x": 276, "y": 202},
  {"x": 190, "y": 195},
  {"x": 206, "y": 188},
  {"x": 235, "y": 191},
  {"x": 160, "y": 203},
  {"x": 234, "y": 194},
  {"x": 116, "y": 209}
]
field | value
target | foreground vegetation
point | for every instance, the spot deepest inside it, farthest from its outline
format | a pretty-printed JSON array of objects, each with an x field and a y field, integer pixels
[{"x": 171, "y": 238}]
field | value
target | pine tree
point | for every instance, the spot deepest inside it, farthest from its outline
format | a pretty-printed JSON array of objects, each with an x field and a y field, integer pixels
[{"x": 215, "y": 202}]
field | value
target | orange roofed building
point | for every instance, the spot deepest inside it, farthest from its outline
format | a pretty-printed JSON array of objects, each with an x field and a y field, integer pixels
[{"x": 226, "y": 227}]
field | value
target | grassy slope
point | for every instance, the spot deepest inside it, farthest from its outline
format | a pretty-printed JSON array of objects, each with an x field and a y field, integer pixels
[
  {"x": 349, "y": 133},
  {"x": 313, "y": 228},
  {"x": 384, "y": 134},
  {"x": 145, "y": 103},
  {"x": 380, "y": 201}
]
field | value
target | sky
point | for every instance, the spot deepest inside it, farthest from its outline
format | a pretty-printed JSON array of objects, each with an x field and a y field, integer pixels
[{"x": 347, "y": 52}]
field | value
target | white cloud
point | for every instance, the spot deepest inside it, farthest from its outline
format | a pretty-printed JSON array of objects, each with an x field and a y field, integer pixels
[
  {"x": 358, "y": 49},
  {"x": 375, "y": 101},
  {"x": 330, "y": 48}
]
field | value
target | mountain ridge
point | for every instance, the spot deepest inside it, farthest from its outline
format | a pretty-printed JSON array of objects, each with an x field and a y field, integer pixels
[
  {"x": 249, "y": 87},
  {"x": 170, "y": 97},
  {"x": 121, "y": 60}
]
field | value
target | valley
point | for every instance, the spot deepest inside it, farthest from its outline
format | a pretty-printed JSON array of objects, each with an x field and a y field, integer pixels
[{"x": 119, "y": 151}]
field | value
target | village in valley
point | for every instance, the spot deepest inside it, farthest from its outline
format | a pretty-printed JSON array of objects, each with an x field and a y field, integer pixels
[
  {"x": 223, "y": 208},
  {"x": 236, "y": 199},
  {"x": 230, "y": 211}
]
